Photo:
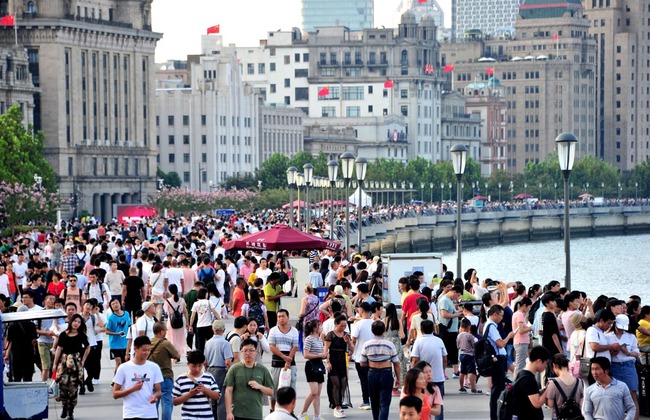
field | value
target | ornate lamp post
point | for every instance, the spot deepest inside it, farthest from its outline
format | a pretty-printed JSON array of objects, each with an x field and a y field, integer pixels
[
  {"x": 362, "y": 165},
  {"x": 431, "y": 192},
  {"x": 459, "y": 159},
  {"x": 540, "y": 190},
  {"x": 291, "y": 181},
  {"x": 403, "y": 188},
  {"x": 347, "y": 163},
  {"x": 422, "y": 191},
  {"x": 555, "y": 190},
  {"x": 450, "y": 185},
  {"x": 300, "y": 181},
  {"x": 566, "y": 146},
  {"x": 308, "y": 169},
  {"x": 394, "y": 193},
  {"x": 602, "y": 189},
  {"x": 332, "y": 173},
  {"x": 442, "y": 187},
  {"x": 636, "y": 191},
  {"x": 619, "y": 191},
  {"x": 499, "y": 192}
]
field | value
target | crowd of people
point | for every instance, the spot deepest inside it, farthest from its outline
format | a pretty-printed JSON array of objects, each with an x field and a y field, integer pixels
[{"x": 158, "y": 293}]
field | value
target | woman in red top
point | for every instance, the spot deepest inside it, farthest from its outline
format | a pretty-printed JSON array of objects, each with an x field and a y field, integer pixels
[
  {"x": 415, "y": 384},
  {"x": 56, "y": 286}
]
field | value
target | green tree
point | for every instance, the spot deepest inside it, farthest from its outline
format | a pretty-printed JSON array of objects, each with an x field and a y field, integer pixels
[
  {"x": 247, "y": 181},
  {"x": 170, "y": 179},
  {"x": 21, "y": 152},
  {"x": 273, "y": 172}
]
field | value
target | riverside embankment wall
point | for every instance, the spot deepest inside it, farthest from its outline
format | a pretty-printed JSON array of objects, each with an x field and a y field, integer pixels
[{"x": 438, "y": 233}]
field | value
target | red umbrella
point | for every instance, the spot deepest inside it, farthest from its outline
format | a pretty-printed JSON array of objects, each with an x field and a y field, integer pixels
[
  {"x": 281, "y": 238},
  {"x": 522, "y": 196},
  {"x": 479, "y": 197},
  {"x": 296, "y": 204},
  {"x": 335, "y": 203}
]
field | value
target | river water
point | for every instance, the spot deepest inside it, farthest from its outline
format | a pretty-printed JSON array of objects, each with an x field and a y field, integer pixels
[{"x": 613, "y": 265}]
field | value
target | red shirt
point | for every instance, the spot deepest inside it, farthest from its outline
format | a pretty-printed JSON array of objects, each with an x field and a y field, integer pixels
[
  {"x": 238, "y": 294},
  {"x": 410, "y": 306},
  {"x": 55, "y": 289}
]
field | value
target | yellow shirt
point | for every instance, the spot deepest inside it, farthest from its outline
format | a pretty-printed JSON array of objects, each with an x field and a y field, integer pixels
[
  {"x": 405, "y": 294},
  {"x": 644, "y": 340}
]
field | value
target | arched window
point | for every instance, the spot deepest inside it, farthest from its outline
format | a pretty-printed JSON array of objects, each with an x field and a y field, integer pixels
[
  {"x": 405, "y": 57},
  {"x": 31, "y": 7}
]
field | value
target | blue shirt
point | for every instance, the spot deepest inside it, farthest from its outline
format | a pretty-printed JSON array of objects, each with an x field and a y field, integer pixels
[
  {"x": 217, "y": 350},
  {"x": 608, "y": 403},
  {"x": 118, "y": 324},
  {"x": 493, "y": 336}
]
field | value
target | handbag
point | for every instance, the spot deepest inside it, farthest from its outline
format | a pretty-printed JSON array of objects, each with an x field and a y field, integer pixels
[
  {"x": 574, "y": 367},
  {"x": 317, "y": 367},
  {"x": 299, "y": 323},
  {"x": 585, "y": 362}
]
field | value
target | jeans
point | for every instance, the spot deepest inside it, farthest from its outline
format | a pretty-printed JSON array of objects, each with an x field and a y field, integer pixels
[
  {"x": 498, "y": 385},
  {"x": 362, "y": 371},
  {"x": 166, "y": 388},
  {"x": 441, "y": 387},
  {"x": 380, "y": 388}
]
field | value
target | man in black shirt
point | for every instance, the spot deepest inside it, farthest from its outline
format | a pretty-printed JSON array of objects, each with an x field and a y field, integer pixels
[
  {"x": 528, "y": 398},
  {"x": 550, "y": 328}
]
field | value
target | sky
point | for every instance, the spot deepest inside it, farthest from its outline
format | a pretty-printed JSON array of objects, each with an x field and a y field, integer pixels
[{"x": 243, "y": 22}]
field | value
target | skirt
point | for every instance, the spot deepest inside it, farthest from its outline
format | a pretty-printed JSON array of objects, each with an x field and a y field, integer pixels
[{"x": 626, "y": 372}]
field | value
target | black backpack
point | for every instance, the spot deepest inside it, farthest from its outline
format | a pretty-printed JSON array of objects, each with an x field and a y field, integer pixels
[
  {"x": 569, "y": 409},
  {"x": 506, "y": 403},
  {"x": 485, "y": 355},
  {"x": 533, "y": 311},
  {"x": 176, "y": 317},
  {"x": 206, "y": 277}
]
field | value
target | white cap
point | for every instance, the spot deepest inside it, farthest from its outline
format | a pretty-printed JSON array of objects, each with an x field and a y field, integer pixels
[{"x": 622, "y": 322}]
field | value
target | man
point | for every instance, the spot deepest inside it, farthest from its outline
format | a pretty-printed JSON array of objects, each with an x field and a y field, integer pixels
[
  {"x": 195, "y": 389},
  {"x": 272, "y": 294},
  {"x": 174, "y": 275},
  {"x": 550, "y": 329},
  {"x": 607, "y": 398},
  {"x": 138, "y": 383},
  {"x": 4, "y": 281},
  {"x": 263, "y": 272},
  {"x": 528, "y": 399},
  {"x": 364, "y": 293},
  {"x": 449, "y": 316},
  {"x": 218, "y": 358},
  {"x": 114, "y": 281},
  {"x": 189, "y": 276},
  {"x": 69, "y": 260},
  {"x": 72, "y": 293},
  {"x": 598, "y": 344},
  {"x": 246, "y": 383},
  {"x": 94, "y": 325},
  {"x": 35, "y": 285},
  {"x": 495, "y": 315},
  {"x": 46, "y": 340},
  {"x": 97, "y": 290},
  {"x": 410, "y": 408},
  {"x": 238, "y": 297},
  {"x": 144, "y": 325},
  {"x": 20, "y": 272},
  {"x": 410, "y": 306},
  {"x": 247, "y": 268},
  {"x": 283, "y": 340},
  {"x": 162, "y": 353},
  {"x": 332, "y": 275},
  {"x": 191, "y": 297},
  {"x": 286, "y": 404},
  {"x": 19, "y": 348},
  {"x": 231, "y": 269},
  {"x": 361, "y": 333},
  {"x": 377, "y": 355},
  {"x": 234, "y": 337},
  {"x": 432, "y": 350}
]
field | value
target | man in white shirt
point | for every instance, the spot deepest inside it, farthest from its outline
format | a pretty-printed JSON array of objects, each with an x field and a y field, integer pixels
[
  {"x": 144, "y": 326},
  {"x": 4, "y": 282},
  {"x": 174, "y": 275},
  {"x": 286, "y": 400},
  {"x": 263, "y": 272},
  {"x": 20, "y": 272},
  {"x": 114, "y": 281},
  {"x": 362, "y": 332},
  {"x": 598, "y": 345}
]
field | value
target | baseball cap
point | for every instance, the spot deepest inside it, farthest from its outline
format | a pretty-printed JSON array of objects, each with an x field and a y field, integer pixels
[{"x": 622, "y": 322}]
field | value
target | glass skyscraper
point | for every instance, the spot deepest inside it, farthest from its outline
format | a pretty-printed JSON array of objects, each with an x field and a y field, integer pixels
[{"x": 354, "y": 14}]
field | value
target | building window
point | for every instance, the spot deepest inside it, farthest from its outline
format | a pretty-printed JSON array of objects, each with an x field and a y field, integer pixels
[
  {"x": 172, "y": 158},
  {"x": 186, "y": 139},
  {"x": 302, "y": 94},
  {"x": 301, "y": 73},
  {"x": 272, "y": 66},
  {"x": 287, "y": 59},
  {"x": 261, "y": 68},
  {"x": 250, "y": 68},
  {"x": 405, "y": 110},
  {"x": 404, "y": 93},
  {"x": 170, "y": 140},
  {"x": 186, "y": 120},
  {"x": 328, "y": 111},
  {"x": 186, "y": 177},
  {"x": 287, "y": 83},
  {"x": 186, "y": 158},
  {"x": 272, "y": 88},
  {"x": 203, "y": 120},
  {"x": 287, "y": 100},
  {"x": 170, "y": 120},
  {"x": 204, "y": 139},
  {"x": 204, "y": 157},
  {"x": 353, "y": 111}
]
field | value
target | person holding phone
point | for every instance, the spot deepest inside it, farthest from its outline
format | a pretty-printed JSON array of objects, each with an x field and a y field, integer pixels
[
  {"x": 194, "y": 390},
  {"x": 116, "y": 328}
]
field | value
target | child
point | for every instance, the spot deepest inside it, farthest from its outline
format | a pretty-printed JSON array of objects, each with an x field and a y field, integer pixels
[
  {"x": 465, "y": 342},
  {"x": 467, "y": 313}
]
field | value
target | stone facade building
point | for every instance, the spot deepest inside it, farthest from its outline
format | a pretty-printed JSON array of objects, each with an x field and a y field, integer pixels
[{"x": 16, "y": 85}]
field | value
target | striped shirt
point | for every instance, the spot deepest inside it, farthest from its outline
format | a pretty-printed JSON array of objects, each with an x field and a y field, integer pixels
[
  {"x": 378, "y": 350},
  {"x": 314, "y": 345},
  {"x": 283, "y": 342},
  {"x": 198, "y": 406}
]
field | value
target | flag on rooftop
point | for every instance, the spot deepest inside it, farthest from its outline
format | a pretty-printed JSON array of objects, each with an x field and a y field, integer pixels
[
  {"x": 214, "y": 29},
  {"x": 556, "y": 37},
  {"x": 324, "y": 91},
  {"x": 9, "y": 20},
  {"x": 448, "y": 68},
  {"x": 388, "y": 84},
  {"x": 422, "y": 1},
  {"x": 428, "y": 69},
  {"x": 490, "y": 71}
]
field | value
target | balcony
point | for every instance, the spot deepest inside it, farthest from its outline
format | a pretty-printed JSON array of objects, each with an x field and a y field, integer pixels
[
  {"x": 98, "y": 21},
  {"x": 350, "y": 63}
]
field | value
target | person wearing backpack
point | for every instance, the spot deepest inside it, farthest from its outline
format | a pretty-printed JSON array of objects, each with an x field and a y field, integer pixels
[
  {"x": 491, "y": 334},
  {"x": 564, "y": 393},
  {"x": 206, "y": 273},
  {"x": 523, "y": 400},
  {"x": 177, "y": 321}
]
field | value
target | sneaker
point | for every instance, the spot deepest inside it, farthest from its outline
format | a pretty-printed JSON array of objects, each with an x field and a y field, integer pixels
[
  {"x": 303, "y": 416},
  {"x": 339, "y": 414},
  {"x": 95, "y": 381},
  {"x": 456, "y": 375},
  {"x": 464, "y": 390},
  {"x": 446, "y": 377},
  {"x": 477, "y": 391},
  {"x": 365, "y": 406}
]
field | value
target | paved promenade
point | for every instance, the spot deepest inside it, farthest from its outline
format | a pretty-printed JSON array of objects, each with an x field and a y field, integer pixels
[{"x": 101, "y": 405}]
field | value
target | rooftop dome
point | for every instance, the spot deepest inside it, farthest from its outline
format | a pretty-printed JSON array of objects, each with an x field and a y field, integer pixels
[{"x": 408, "y": 17}]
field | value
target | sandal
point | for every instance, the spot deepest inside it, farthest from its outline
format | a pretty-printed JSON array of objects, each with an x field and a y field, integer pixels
[
  {"x": 463, "y": 389},
  {"x": 476, "y": 391}
]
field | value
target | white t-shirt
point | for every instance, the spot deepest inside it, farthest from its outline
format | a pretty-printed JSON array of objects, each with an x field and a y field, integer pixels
[
  {"x": 145, "y": 324},
  {"x": 217, "y": 304},
  {"x": 175, "y": 276},
  {"x": 114, "y": 282},
  {"x": 263, "y": 274},
  {"x": 595, "y": 335},
  {"x": 157, "y": 283},
  {"x": 232, "y": 272},
  {"x": 203, "y": 311},
  {"x": 219, "y": 281},
  {"x": 328, "y": 326},
  {"x": 20, "y": 270},
  {"x": 362, "y": 331},
  {"x": 136, "y": 404},
  {"x": 92, "y": 325},
  {"x": 4, "y": 285}
]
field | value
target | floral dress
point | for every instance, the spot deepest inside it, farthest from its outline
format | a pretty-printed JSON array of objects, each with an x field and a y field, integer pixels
[{"x": 393, "y": 337}]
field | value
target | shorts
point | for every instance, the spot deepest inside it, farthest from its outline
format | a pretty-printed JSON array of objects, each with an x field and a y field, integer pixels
[
  {"x": 626, "y": 372},
  {"x": 275, "y": 373},
  {"x": 115, "y": 353},
  {"x": 45, "y": 351},
  {"x": 467, "y": 364},
  {"x": 312, "y": 376}
]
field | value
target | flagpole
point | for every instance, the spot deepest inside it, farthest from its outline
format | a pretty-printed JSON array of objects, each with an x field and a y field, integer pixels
[{"x": 15, "y": 32}]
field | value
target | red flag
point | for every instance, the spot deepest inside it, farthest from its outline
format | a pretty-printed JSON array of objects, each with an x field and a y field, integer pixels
[
  {"x": 422, "y": 1},
  {"x": 388, "y": 84},
  {"x": 428, "y": 69},
  {"x": 556, "y": 37},
  {"x": 490, "y": 71},
  {"x": 448, "y": 68},
  {"x": 214, "y": 29},
  {"x": 8, "y": 20},
  {"x": 324, "y": 91}
]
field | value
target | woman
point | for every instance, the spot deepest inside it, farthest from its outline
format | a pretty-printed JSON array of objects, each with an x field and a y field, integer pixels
[
  {"x": 337, "y": 345},
  {"x": 362, "y": 277},
  {"x": 416, "y": 385},
  {"x": 176, "y": 335},
  {"x": 338, "y": 296},
  {"x": 395, "y": 333},
  {"x": 577, "y": 340},
  {"x": 203, "y": 312},
  {"x": 314, "y": 352},
  {"x": 418, "y": 317},
  {"x": 157, "y": 288},
  {"x": 216, "y": 301},
  {"x": 133, "y": 291},
  {"x": 308, "y": 308},
  {"x": 253, "y": 332},
  {"x": 256, "y": 309},
  {"x": 375, "y": 287},
  {"x": 71, "y": 354},
  {"x": 623, "y": 362},
  {"x": 117, "y": 327},
  {"x": 643, "y": 330},
  {"x": 432, "y": 391},
  {"x": 570, "y": 386}
]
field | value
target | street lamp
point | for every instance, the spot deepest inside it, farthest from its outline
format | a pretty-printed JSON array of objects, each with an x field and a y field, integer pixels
[
  {"x": 259, "y": 185},
  {"x": 555, "y": 190},
  {"x": 300, "y": 181},
  {"x": 525, "y": 188},
  {"x": 636, "y": 191},
  {"x": 403, "y": 188},
  {"x": 442, "y": 187},
  {"x": 308, "y": 169},
  {"x": 449, "y": 185},
  {"x": 332, "y": 173},
  {"x": 38, "y": 180},
  {"x": 394, "y": 193},
  {"x": 512, "y": 191},
  {"x": 540, "y": 190},
  {"x": 431, "y": 192},
  {"x": 422, "y": 192},
  {"x": 619, "y": 191},
  {"x": 459, "y": 159},
  {"x": 161, "y": 183},
  {"x": 566, "y": 146},
  {"x": 362, "y": 165},
  {"x": 499, "y": 192},
  {"x": 602, "y": 189},
  {"x": 291, "y": 181},
  {"x": 347, "y": 162}
]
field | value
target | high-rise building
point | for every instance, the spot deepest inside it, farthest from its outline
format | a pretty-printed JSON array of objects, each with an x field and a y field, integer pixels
[
  {"x": 355, "y": 15},
  {"x": 492, "y": 18},
  {"x": 93, "y": 63},
  {"x": 621, "y": 32}
]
